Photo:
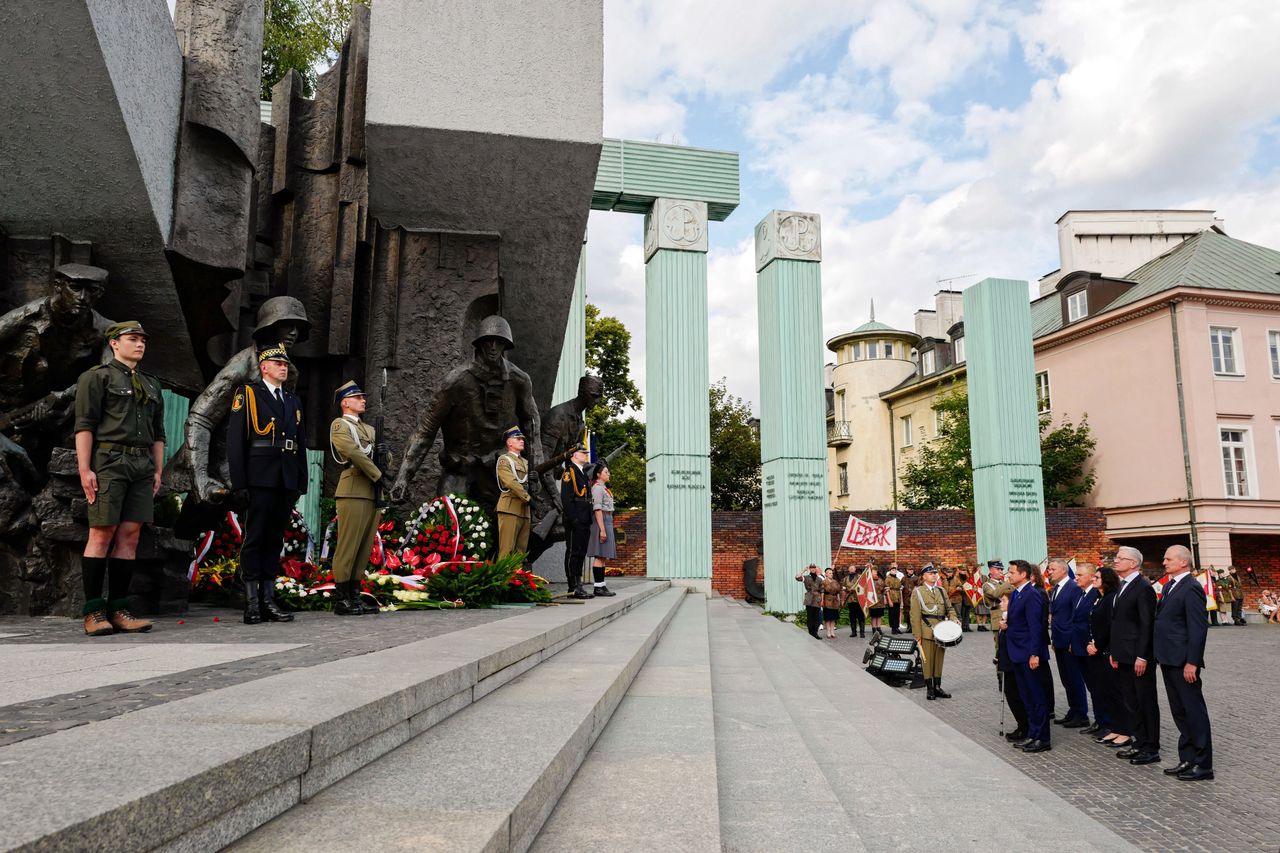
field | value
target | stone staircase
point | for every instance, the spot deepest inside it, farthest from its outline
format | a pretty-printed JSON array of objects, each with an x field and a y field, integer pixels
[{"x": 652, "y": 721}]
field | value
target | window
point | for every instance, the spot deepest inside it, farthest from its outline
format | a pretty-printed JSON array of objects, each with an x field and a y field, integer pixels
[
  {"x": 873, "y": 351},
  {"x": 1273, "y": 343},
  {"x": 1225, "y": 347},
  {"x": 937, "y": 422},
  {"x": 840, "y": 405},
  {"x": 1077, "y": 306},
  {"x": 1043, "y": 402},
  {"x": 1235, "y": 460},
  {"x": 843, "y": 475},
  {"x": 906, "y": 431},
  {"x": 888, "y": 349},
  {"x": 958, "y": 346},
  {"x": 857, "y": 352},
  {"x": 928, "y": 362}
]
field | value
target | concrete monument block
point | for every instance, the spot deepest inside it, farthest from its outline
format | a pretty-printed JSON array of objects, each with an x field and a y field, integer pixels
[
  {"x": 788, "y": 235},
  {"x": 675, "y": 224},
  {"x": 488, "y": 118}
]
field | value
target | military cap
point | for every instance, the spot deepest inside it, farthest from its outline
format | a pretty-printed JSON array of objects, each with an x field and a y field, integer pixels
[
  {"x": 348, "y": 389},
  {"x": 578, "y": 448},
  {"x": 83, "y": 272},
  {"x": 128, "y": 327},
  {"x": 994, "y": 564},
  {"x": 928, "y": 567},
  {"x": 514, "y": 432},
  {"x": 275, "y": 353}
]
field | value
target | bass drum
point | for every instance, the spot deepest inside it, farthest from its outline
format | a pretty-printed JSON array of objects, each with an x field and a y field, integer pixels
[{"x": 947, "y": 633}]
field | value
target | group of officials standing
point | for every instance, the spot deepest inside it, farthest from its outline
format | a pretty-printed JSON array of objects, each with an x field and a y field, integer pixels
[{"x": 1110, "y": 634}]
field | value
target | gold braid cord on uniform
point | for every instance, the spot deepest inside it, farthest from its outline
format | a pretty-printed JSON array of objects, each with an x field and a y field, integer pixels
[
  {"x": 572, "y": 476},
  {"x": 252, "y": 420}
]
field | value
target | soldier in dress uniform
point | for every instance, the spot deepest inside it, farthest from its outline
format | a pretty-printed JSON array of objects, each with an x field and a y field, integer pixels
[
  {"x": 352, "y": 442},
  {"x": 930, "y": 604},
  {"x": 993, "y": 589},
  {"x": 119, "y": 429},
  {"x": 267, "y": 463},
  {"x": 576, "y": 500},
  {"x": 514, "y": 513}
]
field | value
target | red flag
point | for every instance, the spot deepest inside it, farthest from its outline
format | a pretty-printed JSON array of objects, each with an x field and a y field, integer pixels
[
  {"x": 867, "y": 597},
  {"x": 973, "y": 589},
  {"x": 1160, "y": 584}
]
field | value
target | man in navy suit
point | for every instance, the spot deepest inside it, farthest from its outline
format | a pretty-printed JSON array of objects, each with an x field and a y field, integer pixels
[
  {"x": 1081, "y": 637},
  {"x": 1180, "y": 633},
  {"x": 1132, "y": 631},
  {"x": 1025, "y": 631},
  {"x": 266, "y": 458},
  {"x": 1064, "y": 595}
]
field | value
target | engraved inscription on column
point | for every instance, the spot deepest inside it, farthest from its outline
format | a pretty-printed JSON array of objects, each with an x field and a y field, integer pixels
[
  {"x": 675, "y": 224},
  {"x": 790, "y": 235}
]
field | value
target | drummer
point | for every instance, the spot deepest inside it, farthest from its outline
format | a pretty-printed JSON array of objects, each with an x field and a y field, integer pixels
[{"x": 929, "y": 606}]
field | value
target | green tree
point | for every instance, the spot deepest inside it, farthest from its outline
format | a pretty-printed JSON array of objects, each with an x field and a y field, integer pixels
[
  {"x": 609, "y": 357},
  {"x": 304, "y": 36},
  {"x": 941, "y": 475},
  {"x": 735, "y": 452}
]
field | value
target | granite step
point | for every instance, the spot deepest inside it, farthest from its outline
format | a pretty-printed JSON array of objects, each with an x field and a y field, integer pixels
[
  {"x": 773, "y": 792},
  {"x": 658, "y": 752},
  {"x": 894, "y": 766},
  {"x": 487, "y": 777},
  {"x": 200, "y": 772}
]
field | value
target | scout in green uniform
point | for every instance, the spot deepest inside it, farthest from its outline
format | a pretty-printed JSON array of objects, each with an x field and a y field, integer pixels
[
  {"x": 514, "y": 513},
  {"x": 930, "y": 604},
  {"x": 1236, "y": 590},
  {"x": 351, "y": 441},
  {"x": 893, "y": 597},
  {"x": 119, "y": 430}
]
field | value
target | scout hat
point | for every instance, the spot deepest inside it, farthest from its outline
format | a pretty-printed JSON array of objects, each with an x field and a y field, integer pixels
[
  {"x": 348, "y": 389},
  {"x": 514, "y": 432},
  {"x": 128, "y": 327},
  {"x": 275, "y": 353}
]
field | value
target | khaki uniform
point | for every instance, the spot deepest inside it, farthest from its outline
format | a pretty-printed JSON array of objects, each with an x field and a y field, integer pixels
[
  {"x": 928, "y": 607},
  {"x": 514, "y": 513},
  {"x": 892, "y": 590},
  {"x": 992, "y": 592},
  {"x": 124, "y": 410},
  {"x": 358, "y": 517}
]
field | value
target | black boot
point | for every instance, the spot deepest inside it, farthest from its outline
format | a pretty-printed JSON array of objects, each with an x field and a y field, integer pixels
[
  {"x": 368, "y": 606},
  {"x": 270, "y": 610},
  {"x": 582, "y": 592},
  {"x": 930, "y": 692},
  {"x": 252, "y": 611},
  {"x": 937, "y": 689},
  {"x": 345, "y": 605}
]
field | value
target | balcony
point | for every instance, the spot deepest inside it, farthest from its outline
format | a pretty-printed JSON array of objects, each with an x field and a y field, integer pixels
[{"x": 839, "y": 434}]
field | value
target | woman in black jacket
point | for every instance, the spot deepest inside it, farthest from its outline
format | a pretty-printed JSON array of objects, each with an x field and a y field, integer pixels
[{"x": 1108, "y": 710}]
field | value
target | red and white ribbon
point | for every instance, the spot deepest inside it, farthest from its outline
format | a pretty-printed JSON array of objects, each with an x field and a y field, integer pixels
[{"x": 202, "y": 549}]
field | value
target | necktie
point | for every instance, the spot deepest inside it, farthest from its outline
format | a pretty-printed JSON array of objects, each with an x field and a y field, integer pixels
[
  {"x": 279, "y": 397},
  {"x": 1054, "y": 594}
]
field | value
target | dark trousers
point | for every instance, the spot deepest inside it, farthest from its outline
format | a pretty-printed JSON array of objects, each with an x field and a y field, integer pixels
[
  {"x": 964, "y": 608},
  {"x": 895, "y": 616},
  {"x": 1237, "y": 610},
  {"x": 575, "y": 553},
  {"x": 1097, "y": 677},
  {"x": 1213, "y": 617},
  {"x": 812, "y": 619},
  {"x": 857, "y": 619},
  {"x": 1142, "y": 707},
  {"x": 1072, "y": 682},
  {"x": 1031, "y": 689},
  {"x": 1014, "y": 698},
  {"x": 264, "y": 523},
  {"x": 1045, "y": 675},
  {"x": 1186, "y": 702}
]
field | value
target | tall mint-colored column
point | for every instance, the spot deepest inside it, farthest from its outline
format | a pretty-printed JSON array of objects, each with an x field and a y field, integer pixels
[
  {"x": 793, "y": 448},
  {"x": 1004, "y": 429},
  {"x": 677, "y": 431},
  {"x": 573, "y": 353}
]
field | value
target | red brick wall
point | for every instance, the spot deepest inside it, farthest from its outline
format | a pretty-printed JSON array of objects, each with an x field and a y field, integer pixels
[
  {"x": 943, "y": 537},
  {"x": 1262, "y": 553}
]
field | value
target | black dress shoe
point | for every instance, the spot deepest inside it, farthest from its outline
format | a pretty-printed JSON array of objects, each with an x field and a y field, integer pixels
[
  {"x": 1019, "y": 744},
  {"x": 1063, "y": 720},
  {"x": 1037, "y": 746},
  {"x": 1145, "y": 758},
  {"x": 1093, "y": 729},
  {"x": 984, "y": 629},
  {"x": 1016, "y": 734},
  {"x": 1196, "y": 773},
  {"x": 1076, "y": 723},
  {"x": 1131, "y": 752},
  {"x": 1102, "y": 738},
  {"x": 604, "y": 592},
  {"x": 1180, "y": 767}
]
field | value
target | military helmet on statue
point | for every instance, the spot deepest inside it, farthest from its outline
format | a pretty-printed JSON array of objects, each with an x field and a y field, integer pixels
[
  {"x": 281, "y": 309},
  {"x": 494, "y": 326}
]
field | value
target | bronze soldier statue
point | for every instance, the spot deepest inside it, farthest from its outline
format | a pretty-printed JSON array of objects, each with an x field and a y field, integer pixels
[
  {"x": 478, "y": 402},
  {"x": 47, "y": 344},
  {"x": 199, "y": 467}
]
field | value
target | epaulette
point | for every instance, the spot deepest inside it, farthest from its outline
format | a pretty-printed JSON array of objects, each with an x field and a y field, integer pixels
[{"x": 101, "y": 366}]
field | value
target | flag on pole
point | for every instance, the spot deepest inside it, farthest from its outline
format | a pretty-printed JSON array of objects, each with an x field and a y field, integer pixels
[
  {"x": 866, "y": 586},
  {"x": 1210, "y": 591},
  {"x": 973, "y": 587}
]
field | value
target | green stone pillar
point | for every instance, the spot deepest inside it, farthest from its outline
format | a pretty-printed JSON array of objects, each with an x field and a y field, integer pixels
[
  {"x": 1008, "y": 484},
  {"x": 573, "y": 353},
  {"x": 793, "y": 448},
  {"x": 677, "y": 432}
]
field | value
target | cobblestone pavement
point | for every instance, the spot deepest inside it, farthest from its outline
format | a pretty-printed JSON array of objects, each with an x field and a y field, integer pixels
[
  {"x": 325, "y": 636},
  {"x": 1239, "y": 810}
]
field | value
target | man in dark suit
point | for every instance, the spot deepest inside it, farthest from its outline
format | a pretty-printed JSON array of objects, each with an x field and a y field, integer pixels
[
  {"x": 1081, "y": 636},
  {"x": 1025, "y": 632},
  {"x": 1064, "y": 595},
  {"x": 1132, "y": 626},
  {"x": 1180, "y": 633},
  {"x": 267, "y": 464}
]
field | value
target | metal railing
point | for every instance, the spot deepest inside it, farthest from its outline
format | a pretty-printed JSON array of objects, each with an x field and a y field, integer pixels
[{"x": 839, "y": 433}]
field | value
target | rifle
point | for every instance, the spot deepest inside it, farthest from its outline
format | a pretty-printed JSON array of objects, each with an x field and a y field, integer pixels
[
  {"x": 548, "y": 521},
  {"x": 379, "y": 447},
  {"x": 51, "y": 400}
]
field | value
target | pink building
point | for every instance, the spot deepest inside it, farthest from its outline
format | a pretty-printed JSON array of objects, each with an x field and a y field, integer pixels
[{"x": 1177, "y": 366}]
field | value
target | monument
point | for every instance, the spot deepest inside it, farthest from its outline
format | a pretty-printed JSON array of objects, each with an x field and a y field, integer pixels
[{"x": 1008, "y": 483}]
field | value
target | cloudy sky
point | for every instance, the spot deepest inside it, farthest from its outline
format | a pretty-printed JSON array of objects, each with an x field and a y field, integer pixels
[{"x": 938, "y": 139}]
